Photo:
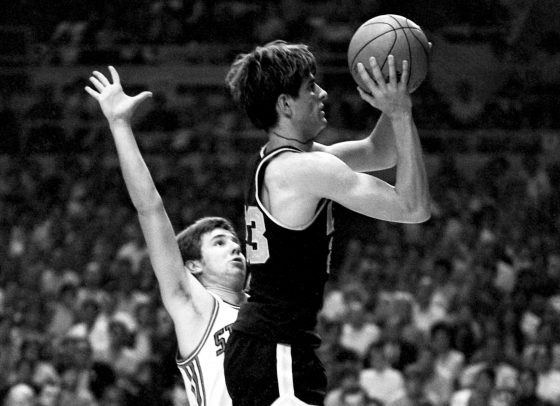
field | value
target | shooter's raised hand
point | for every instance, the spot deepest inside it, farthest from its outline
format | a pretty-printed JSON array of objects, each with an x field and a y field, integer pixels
[
  {"x": 391, "y": 96},
  {"x": 115, "y": 104}
]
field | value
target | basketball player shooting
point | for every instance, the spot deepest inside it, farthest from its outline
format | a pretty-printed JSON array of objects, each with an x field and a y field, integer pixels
[
  {"x": 200, "y": 273},
  {"x": 270, "y": 357}
]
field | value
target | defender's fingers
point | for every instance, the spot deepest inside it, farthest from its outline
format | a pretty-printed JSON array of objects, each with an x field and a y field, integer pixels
[
  {"x": 114, "y": 75},
  {"x": 92, "y": 92},
  {"x": 98, "y": 85},
  {"x": 101, "y": 77},
  {"x": 139, "y": 98}
]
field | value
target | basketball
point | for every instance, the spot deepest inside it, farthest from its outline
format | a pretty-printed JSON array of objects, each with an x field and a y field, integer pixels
[{"x": 389, "y": 34}]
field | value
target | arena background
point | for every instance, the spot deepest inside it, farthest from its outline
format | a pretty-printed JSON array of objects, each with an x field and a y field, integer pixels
[{"x": 466, "y": 305}]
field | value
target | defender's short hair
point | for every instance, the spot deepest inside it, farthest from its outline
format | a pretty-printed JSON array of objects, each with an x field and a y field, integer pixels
[{"x": 189, "y": 240}]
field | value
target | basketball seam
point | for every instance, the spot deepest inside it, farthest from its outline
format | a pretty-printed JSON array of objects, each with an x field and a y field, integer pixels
[
  {"x": 389, "y": 52},
  {"x": 357, "y": 53},
  {"x": 409, "y": 51},
  {"x": 426, "y": 52},
  {"x": 376, "y": 22},
  {"x": 369, "y": 42}
]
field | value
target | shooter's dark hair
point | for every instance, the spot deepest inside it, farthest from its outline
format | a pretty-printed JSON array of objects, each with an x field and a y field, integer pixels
[{"x": 256, "y": 80}]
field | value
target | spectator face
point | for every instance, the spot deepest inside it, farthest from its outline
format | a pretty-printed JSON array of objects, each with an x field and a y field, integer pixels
[
  {"x": 556, "y": 357},
  {"x": 31, "y": 350},
  {"x": 164, "y": 322},
  {"x": 24, "y": 372},
  {"x": 69, "y": 379},
  {"x": 82, "y": 353},
  {"x": 413, "y": 385},
  {"x": 144, "y": 315},
  {"x": 49, "y": 395},
  {"x": 553, "y": 266},
  {"x": 90, "y": 310},
  {"x": 502, "y": 398},
  {"x": 357, "y": 398},
  {"x": 484, "y": 383},
  {"x": 356, "y": 312},
  {"x": 20, "y": 395},
  {"x": 145, "y": 373},
  {"x": 527, "y": 383},
  {"x": 118, "y": 334},
  {"x": 441, "y": 341},
  {"x": 542, "y": 360},
  {"x": 112, "y": 396},
  {"x": 5, "y": 330},
  {"x": 102, "y": 251},
  {"x": 426, "y": 360},
  {"x": 377, "y": 358},
  {"x": 424, "y": 292},
  {"x": 92, "y": 277},
  {"x": 68, "y": 297}
]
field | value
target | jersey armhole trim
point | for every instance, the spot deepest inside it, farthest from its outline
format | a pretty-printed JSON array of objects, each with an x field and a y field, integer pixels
[
  {"x": 184, "y": 361},
  {"x": 265, "y": 159}
]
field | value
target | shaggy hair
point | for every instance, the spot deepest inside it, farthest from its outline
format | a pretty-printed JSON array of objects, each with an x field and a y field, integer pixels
[{"x": 256, "y": 80}]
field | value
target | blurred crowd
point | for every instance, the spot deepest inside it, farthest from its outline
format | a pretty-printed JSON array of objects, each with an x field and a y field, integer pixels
[
  {"x": 61, "y": 117},
  {"x": 461, "y": 310},
  {"x": 81, "y": 322},
  {"x": 78, "y": 32}
]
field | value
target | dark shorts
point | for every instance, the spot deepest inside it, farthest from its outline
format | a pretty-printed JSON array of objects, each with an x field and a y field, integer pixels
[{"x": 253, "y": 371}]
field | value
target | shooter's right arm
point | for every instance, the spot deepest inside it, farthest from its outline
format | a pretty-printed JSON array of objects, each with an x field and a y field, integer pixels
[{"x": 323, "y": 175}]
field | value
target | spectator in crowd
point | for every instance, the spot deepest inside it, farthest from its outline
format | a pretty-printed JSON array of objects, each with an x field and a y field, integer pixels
[
  {"x": 357, "y": 332},
  {"x": 353, "y": 395},
  {"x": 448, "y": 362},
  {"x": 346, "y": 378},
  {"x": 378, "y": 379},
  {"x": 482, "y": 388},
  {"x": 548, "y": 378},
  {"x": 62, "y": 244},
  {"x": 20, "y": 395},
  {"x": 414, "y": 394},
  {"x": 526, "y": 394}
]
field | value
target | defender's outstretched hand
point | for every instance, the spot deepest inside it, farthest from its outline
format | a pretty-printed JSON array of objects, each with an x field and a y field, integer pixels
[
  {"x": 391, "y": 97},
  {"x": 115, "y": 104}
]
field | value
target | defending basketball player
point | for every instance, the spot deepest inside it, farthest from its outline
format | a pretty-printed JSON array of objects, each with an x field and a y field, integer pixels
[
  {"x": 270, "y": 356},
  {"x": 201, "y": 272}
]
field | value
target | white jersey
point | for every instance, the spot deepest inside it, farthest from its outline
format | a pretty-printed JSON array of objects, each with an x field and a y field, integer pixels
[{"x": 203, "y": 370}]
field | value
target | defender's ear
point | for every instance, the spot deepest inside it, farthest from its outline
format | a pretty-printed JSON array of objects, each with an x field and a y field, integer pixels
[
  {"x": 284, "y": 105},
  {"x": 194, "y": 266}
]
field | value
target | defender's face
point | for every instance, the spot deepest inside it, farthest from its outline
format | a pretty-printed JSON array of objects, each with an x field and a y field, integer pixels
[
  {"x": 221, "y": 255},
  {"x": 309, "y": 115}
]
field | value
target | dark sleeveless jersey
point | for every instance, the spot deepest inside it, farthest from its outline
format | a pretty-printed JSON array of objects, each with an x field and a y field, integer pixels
[{"x": 288, "y": 267}]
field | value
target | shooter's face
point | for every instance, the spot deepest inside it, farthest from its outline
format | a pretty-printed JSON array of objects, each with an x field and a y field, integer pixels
[{"x": 309, "y": 115}]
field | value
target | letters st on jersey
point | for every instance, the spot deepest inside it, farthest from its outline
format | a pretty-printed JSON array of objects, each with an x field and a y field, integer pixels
[{"x": 220, "y": 339}]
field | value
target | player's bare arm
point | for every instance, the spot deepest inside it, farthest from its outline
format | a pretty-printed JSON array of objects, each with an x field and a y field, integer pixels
[
  {"x": 373, "y": 153},
  {"x": 186, "y": 300},
  {"x": 317, "y": 175},
  {"x": 378, "y": 150}
]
